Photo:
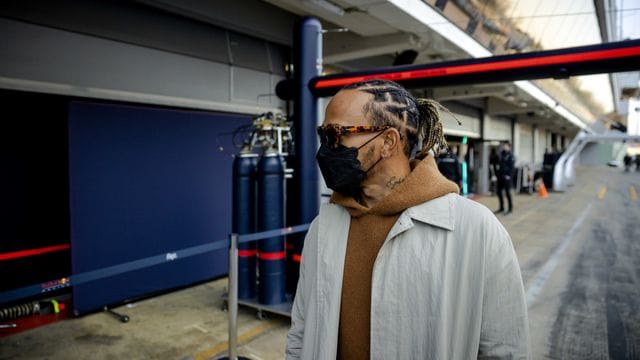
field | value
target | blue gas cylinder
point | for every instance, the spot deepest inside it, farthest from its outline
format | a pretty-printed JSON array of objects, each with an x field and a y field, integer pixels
[
  {"x": 244, "y": 220},
  {"x": 271, "y": 251}
]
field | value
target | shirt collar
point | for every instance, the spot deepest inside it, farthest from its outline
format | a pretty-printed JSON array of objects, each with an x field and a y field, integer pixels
[{"x": 437, "y": 212}]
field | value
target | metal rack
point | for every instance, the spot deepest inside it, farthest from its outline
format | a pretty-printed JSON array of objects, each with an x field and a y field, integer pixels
[{"x": 283, "y": 309}]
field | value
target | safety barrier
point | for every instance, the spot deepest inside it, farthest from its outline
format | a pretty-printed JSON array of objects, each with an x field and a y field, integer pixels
[
  {"x": 232, "y": 304},
  {"x": 232, "y": 242}
]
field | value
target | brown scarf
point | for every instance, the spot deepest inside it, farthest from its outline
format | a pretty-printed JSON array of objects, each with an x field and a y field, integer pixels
[{"x": 369, "y": 228}]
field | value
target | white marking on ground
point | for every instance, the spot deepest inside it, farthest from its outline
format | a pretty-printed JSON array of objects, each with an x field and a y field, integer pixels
[
  {"x": 552, "y": 262},
  {"x": 198, "y": 327}
]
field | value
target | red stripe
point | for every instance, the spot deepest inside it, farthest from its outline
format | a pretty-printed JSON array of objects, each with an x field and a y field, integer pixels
[
  {"x": 491, "y": 66},
  {"x": 247, "y": 253},
  {"x": 297, "y": 257},
  {"x": 271, "y": 255},
  {"x": 33, "y": 252}
]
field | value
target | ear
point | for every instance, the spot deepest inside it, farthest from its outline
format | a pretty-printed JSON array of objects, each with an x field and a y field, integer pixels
[{"x": 392, "y": 143}]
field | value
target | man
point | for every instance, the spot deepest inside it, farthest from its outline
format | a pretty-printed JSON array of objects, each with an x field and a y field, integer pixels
[
  {"x": 494, "y": 161},
  {"x": 398, "y": 265},
  {"x": 505, "y": 171},
  {"x": 627, "y": 162},
  {"x": 450, "y": 167}
]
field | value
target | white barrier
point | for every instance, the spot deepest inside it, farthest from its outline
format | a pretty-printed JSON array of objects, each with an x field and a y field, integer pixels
[{"x": 564, "y": 173}]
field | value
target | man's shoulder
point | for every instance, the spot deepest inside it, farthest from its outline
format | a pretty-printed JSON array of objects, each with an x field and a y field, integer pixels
[
  {"x": 469, "y": 210},
  {"x": 472, "y": 225},
  {"x": 469, "y": 214},
  {"x": 331, "y": 214},
  {"x": 451, "y": 211},
  {"x": 473, "y": 218}
]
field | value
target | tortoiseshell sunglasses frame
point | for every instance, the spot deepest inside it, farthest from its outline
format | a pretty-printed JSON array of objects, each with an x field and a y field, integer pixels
[{"x": 333, "y": 140}]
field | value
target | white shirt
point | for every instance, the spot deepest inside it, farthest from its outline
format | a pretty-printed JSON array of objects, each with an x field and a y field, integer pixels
[{"x": 446, "y": 285}]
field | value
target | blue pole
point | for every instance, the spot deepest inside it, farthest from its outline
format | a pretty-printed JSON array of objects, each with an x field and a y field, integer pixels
[{"x": 307, "y": 64}]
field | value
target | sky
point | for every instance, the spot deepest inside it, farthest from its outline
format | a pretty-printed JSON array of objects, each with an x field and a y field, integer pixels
[
  {"x": 567, "y": 23},
  {"x": 629, "y": 19}
]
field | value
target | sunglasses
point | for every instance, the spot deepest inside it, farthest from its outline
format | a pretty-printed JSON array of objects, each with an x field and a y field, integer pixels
[{"x": 330, "y": 134}]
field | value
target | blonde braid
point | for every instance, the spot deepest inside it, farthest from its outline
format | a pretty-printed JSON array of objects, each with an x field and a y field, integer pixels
[{"x": 430, "y": 131}]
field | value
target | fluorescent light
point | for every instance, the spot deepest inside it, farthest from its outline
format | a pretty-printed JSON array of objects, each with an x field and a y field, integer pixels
[
  {"x": 547, "y": 100},
  {"x": 441, "y": 25}
]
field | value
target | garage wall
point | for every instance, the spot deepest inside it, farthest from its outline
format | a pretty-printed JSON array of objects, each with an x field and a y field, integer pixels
[
  {"x": 468, "y": 116},
  {"x": 498, "y": 128},
  {"x": 95, "y": 67},
  {"x": 524, "y": 150},
  {"x": 541, "y": 144}
]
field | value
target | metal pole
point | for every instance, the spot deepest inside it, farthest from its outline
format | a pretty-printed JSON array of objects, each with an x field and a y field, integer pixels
[{"x": 233, "y": 297}]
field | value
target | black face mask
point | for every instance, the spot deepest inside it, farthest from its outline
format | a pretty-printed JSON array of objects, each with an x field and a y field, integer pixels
[{"x": 341, "y": 169}]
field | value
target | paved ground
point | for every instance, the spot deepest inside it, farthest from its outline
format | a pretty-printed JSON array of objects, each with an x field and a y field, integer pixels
[
  {"x": 581, "y": 266},
  {"x": 580, "y": 257}
]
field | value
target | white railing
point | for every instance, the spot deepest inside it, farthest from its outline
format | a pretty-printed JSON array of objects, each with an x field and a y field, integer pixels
[{"x": 564, "y": 173}]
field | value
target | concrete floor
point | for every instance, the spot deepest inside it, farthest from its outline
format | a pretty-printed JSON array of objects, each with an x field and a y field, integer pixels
[{"x": 580, "y": 257}]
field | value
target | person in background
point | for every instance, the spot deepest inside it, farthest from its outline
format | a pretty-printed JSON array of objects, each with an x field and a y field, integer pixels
[
  {"x": 398, "y": 265},
  {"x": 494, "y": 164},
  {"x": 505, "y": 172},
  {"x": 450, "y": 166},
  {"x": 627, "y": 162}
]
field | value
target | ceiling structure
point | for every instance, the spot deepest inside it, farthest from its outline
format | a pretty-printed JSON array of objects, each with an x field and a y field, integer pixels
[
  {"x": 379, "y": 31},
  {"x": 619, "y": 20},
  {"x": 385, "y": 32}
]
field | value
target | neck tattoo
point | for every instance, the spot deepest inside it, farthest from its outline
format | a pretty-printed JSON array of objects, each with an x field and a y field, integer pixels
[{"x": 394, "y": 182}]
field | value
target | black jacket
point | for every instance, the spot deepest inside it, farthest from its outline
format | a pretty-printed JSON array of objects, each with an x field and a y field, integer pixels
[
  {"x": 506, "y": 165},
  {"x": 449, "y": 166}
]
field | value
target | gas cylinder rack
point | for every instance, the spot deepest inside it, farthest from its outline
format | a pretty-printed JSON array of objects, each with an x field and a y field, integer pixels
[{"x": 260, "y": 175}]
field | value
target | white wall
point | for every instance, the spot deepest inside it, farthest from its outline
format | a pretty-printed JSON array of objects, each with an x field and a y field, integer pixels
[
  {"x": 468, "y": 116},
  {"x": 540, "y": 141},
  {"x": 524, "y": 150},
  {"x": 498, "y": 128},
  {"x": 633, "y": 117}
]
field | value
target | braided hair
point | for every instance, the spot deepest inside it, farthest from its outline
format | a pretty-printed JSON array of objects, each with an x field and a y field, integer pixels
[{"x": 418, "y": 120}]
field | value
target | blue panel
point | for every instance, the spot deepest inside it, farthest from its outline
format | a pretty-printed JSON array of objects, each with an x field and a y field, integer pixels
[{"x": 143, "y": 182}]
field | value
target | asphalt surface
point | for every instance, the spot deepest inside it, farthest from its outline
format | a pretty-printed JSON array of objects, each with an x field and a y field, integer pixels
[{"x": 580, "y": 257}]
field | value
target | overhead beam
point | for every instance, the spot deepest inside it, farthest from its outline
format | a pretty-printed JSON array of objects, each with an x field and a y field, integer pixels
[
  {"x": 497, "y": 106},
  {"x": 469, "y": 92},
  {"x": 548, "y": 123},
  {"x": 343, "y": 48},
  {"x": 561, "y": 63}
]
